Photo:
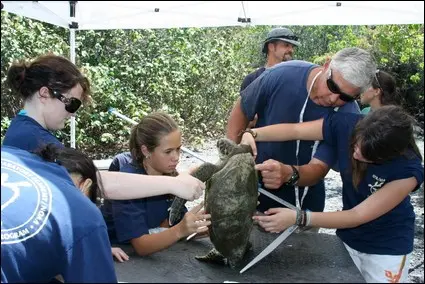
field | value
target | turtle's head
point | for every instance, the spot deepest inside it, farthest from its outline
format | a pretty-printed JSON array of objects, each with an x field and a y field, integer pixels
[{"x": 228, "y": 148}]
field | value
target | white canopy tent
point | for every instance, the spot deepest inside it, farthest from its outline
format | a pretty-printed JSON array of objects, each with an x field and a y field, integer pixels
[{"x": 102, "y": 15}]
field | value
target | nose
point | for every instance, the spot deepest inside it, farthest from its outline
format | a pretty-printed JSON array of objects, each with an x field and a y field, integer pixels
[{"x": 176, "y": 156}]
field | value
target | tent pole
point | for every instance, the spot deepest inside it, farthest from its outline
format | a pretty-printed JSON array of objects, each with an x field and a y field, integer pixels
[
  {"x": 72, "y": 41},
  {"x": 72, "y": 27}
]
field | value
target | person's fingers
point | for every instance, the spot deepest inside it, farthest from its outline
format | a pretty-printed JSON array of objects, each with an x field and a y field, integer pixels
[
  {"x": 263, "y": 218},
  {"x": 118, "y": 257},
  {"x": 202, "y": 229},
  {"x": 196, "y": 208},
  {"x": 271, "y": 211},
  {"x": 124, "y": 256},
  {"x": 203, "y": 217}
]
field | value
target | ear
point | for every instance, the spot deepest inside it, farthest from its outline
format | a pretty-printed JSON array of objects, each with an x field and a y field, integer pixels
[
  {"x": 327, "y": 62},
  {"x": 44, "y": 94},
  {"x": 85, "y": 186},
  {"x": 145, "y": 151}
]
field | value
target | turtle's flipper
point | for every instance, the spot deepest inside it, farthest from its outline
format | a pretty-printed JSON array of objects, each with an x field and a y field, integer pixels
[
  {"x": 213, "y": 256},
  {"x": 176, "y": 210},
  {"x": 203, "y": 173}
]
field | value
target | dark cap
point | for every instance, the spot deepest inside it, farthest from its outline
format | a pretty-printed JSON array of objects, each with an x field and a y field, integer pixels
[{"x": 283, "y": 34}]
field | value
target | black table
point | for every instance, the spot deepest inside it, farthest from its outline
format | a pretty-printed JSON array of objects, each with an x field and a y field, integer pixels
[{"x": 302, "y": 257}]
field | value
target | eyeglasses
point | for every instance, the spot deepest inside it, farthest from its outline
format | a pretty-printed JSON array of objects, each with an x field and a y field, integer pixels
[
  {"x": 71, "y": 104},
  {"x": 334, "y": 88},
  {"x": 377, "y": 77}
]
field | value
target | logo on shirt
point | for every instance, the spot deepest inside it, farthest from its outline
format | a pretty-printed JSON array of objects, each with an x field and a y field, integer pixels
[
  {"x": 22, "y": 218},
  {"x": 379, "y": 182}
]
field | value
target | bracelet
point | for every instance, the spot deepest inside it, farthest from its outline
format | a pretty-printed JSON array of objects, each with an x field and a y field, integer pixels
[
  {"x": 298, "y": 218},
  {"x": 303, "y": 219},
  {"x": 308, "y": 217}
]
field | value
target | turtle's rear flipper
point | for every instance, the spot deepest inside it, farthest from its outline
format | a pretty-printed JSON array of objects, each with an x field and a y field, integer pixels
[{"x": 213, "y": 256}]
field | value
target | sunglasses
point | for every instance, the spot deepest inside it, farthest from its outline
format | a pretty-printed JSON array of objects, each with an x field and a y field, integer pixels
[
  {"x": 334, "y": 88},
  {"x": 377, "y": 77},
  {"x": 71, "y": 104}
]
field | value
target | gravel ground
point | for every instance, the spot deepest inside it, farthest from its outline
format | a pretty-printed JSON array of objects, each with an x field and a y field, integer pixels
[{"x": 209, "y": 153}]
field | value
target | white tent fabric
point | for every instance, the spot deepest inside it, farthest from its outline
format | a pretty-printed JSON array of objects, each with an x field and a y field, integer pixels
[
  {"x": 103, "y": 15},
  {"x": 100, "y": 15}
]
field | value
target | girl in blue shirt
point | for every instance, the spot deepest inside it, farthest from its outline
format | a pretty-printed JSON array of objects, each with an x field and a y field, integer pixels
[
  {"x": 83, "y": 173},
  {"x": 380, "y": 166},
  {"x": 155, "y": 149}
]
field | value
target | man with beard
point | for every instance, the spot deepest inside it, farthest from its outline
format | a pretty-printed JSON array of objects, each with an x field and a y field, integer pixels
[{"x": 278, "y": 47}]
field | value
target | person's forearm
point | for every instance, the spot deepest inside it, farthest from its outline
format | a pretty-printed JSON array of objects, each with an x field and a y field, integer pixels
[
  {"x": 121, "y": 186},
  {"x": 311, "y": 174},
  {"x": 152, "y": 243},
  {"x": 236, "y": 123},
  {"x": 290, "y": 131},
  {"x": 335, "y": 220}
]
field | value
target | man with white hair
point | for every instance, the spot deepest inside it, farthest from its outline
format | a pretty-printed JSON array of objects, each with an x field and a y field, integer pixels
[{"x": 292, "y": 92}]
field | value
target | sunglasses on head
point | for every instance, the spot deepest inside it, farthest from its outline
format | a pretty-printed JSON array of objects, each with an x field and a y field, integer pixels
[
  {"x": 334, "y": 88},
  {"x": 71, "y": 104}
]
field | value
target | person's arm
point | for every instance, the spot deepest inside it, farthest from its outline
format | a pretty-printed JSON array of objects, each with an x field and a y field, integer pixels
[
  {"x": 237, "y": 122},
  {"x": 90, "y": 259},
  {"x": 373, "y": 207},
  {"x": 311, "y": 130},
  {"x": 124, "y": 186},
  {"x": 275, "y": 173},
  {"x": 151, "y": 243}
]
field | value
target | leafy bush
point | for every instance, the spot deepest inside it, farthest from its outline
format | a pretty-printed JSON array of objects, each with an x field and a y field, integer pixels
[{"x": 194, "y": 74}]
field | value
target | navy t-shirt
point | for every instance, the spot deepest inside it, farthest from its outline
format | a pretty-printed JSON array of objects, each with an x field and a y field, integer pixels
[
  {"x": 27, "y": 134},
  {"x": 130, "y": 219},
  {"x": 251, "y": 77},
  {"x": 119, "y": 161},
  {"x": 392, "y": 233},
  {"x": 48, "y": 227},
  {"x": 278, "y": 96}
]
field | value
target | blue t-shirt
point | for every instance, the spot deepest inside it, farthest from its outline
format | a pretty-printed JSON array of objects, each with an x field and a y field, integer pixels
[
  {"x": 27, "y": 134},
  {"x": 392, "y": 233},
  {"x": 120, "y": 161},
  {"x": 278, "y": 96},
  {"x": 130, "y": 219},
  {"x": 47, "y": 226}
]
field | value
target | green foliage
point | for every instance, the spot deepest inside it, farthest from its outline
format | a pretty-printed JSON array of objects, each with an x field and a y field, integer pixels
[{"x": 193, "y": 74}]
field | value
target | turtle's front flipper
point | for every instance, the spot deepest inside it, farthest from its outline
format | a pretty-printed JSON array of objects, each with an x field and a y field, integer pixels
[
  {"x": 203, "y": 173},
  {"x": 213, "y": 256}
]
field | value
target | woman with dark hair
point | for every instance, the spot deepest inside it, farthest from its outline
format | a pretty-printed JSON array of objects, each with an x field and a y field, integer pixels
[
  {"x": 53, "y": 89},
  {"x": 83, "y": 173},
  {"x": 380, "y": 165},
  {"x": 382, "y": 92}
]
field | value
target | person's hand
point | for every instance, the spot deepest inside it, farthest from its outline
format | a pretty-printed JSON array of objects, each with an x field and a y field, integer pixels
[
  {"x": 276, "y": 220},
  {"x": 194, "y": 221},
  {"x": 247, "y": 139},
  {"x": 274, "y": 173},
  {"x": 119, "y": 254},
  {"x": 188, "y": 187}
]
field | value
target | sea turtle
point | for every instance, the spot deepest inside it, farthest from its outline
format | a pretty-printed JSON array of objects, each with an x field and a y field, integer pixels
[{"x": 231, "y": 198}]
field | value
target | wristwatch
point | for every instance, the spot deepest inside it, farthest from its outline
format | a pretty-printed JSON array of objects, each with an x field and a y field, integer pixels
[
  {"x": 294, "y": 177},
  {"x": 250, "y": 131}
]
